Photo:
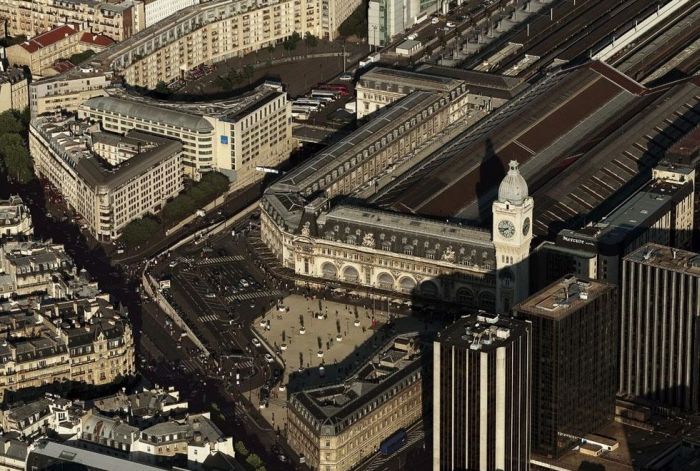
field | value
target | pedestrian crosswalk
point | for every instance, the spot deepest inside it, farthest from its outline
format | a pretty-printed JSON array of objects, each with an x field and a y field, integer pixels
[
  {"x": 255, "y": 295},
  {"x": 215, "y": 260},
  {"x": 209, "y": 318}
]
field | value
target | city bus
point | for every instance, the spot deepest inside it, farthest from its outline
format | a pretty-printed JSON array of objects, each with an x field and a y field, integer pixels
[
  {"x": 325, "y": 95},
  {"x": 337, "y": 87},
  {"x": 394, "y": 442},
  {"x": 306, "y": 104}
]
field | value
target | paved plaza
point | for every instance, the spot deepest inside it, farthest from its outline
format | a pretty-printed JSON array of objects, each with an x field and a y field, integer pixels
[{"x": 336, "y": 336}]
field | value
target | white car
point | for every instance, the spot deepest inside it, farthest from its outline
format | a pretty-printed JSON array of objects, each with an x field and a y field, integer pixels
[
  {"x": 412, "y": 36},
  {"x": 435, "y": 20},
  {"x": 450, "y": 24},
  {"x": 268, "y": 358},
  {"x": 346, "y": 77},
  {"x": 256, "y": 342}
]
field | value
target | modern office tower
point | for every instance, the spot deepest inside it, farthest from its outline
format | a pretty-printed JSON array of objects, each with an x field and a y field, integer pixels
[
  {"x": 660, "y": 326},
  {"x": 481, "y": 395},
  {"x": 574, "y": 368},
  {"x": 661, "y": 212}
]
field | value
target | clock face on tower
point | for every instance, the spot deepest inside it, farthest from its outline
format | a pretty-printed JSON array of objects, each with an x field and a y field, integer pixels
[
  {"x": 526, "y": 226},
  {"x": 506, "y": 228}
]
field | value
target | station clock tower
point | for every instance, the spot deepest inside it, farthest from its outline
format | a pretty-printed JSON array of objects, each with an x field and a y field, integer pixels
[{"x": 512, "y": 235}]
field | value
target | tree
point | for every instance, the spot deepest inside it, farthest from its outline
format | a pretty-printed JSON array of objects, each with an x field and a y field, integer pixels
[
  {"x": 139, "y": 231},
  {"x": 248, "y": 72},
  {"x": 254, "y": 461},
  {"x": 241, "y": 448},
  {"x": 10, "y": 124},
  {"x": 310, "y": 40},
  {"x": 162, "y": 88},
  {"x": 292, "y": 41},
  {"x": 15, "y": 156},
  {"x": 80, "y": 57}
]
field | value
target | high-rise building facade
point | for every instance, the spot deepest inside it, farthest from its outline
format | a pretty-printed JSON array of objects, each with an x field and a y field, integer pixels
[
  {"x": 387, "y": 18},
  {"x": 574, "y": 369},
  {"x": 481, "y": 395},
  {"x": 660, "y": 326}
]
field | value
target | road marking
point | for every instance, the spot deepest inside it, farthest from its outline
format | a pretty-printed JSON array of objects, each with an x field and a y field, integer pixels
[
  {"x": 215, "y": 260},
  {"x": 255, "y": 295},
  {"x": 209, "y": 318}
]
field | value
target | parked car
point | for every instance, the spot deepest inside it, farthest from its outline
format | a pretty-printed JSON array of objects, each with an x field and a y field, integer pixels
[
  {"x": 268, "y": 358},
  {"x": 257, "y": 343}
]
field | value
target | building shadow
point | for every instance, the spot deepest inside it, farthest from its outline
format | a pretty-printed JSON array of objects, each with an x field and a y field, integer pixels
[{"x": 491, "y": 172}]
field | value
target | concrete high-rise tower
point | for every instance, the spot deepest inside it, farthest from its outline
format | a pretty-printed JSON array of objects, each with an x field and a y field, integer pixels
[{"x": 481, "y": 395}]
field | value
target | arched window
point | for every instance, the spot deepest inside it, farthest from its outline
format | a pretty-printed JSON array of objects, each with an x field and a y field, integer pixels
[
  {"x": 385, "y": 281},
  {"x": 329, "y": 271},
  {"x": 351, "y": 275}
]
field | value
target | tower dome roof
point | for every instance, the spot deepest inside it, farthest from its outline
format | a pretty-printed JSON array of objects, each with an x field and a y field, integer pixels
[{"x": 513, "y": 188}]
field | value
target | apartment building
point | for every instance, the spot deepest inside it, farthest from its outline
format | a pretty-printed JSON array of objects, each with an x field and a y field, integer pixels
[
  {"x": 15, "y": 219},
  {"x": 214, "y": 31},
  {"x": 34, "y": 17},
  {"x": 32, "y": 267},
  {"x": 82, "y": 340},
  {"x": 107, "y": 197},
  {"x": 42, "y": 53},
  {"x": 66, "y": 92},
  {"x": 338, "y": 425},
  {"x": 232, "y": 136},
  {"x": 14, "y": 90},
  {"x": 150, "y": 12}
]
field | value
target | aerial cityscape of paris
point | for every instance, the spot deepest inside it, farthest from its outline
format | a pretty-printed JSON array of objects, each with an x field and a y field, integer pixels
[{"x": 350, "y": 235}]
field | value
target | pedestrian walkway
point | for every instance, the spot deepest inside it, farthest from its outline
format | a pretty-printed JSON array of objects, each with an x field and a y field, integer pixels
[
  {"x": 209, "y": 318},
  {"x": 217, "y": 260},
  {"x": 272, "y": 293}
]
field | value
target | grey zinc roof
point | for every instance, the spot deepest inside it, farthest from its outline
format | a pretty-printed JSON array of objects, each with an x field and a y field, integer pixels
[{"x": 152, "y": 112}]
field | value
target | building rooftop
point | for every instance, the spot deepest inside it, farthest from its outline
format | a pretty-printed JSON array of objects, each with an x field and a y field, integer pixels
[
  {"x": 479, "y": 83},
  {"x": 676, "y": 260},
  {"x": 563, "y": 297},
  {"x": 347, "y": 150},
  {"x": 48, "y": 38},
  {"x": 482, "y": 331},
  {"x": 538, "y": 126},
  {"x": 12, "y": 75},
  {"x": 160, "y": 114},
  {"x": 45, "y": 454},
  {"x": 395, "y": 80},
  {"x": 72, "y": 141},
  {"x": 634, "y": 215},
  {"x": 12, "y": 210},
  {"x": 686, "y": 148},
  {"x": 334, "y": 407}
]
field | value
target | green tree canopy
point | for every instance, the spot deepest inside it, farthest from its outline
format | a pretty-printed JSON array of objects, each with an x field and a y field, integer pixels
[
  {"x": 13, "y": 151},
  {"x": 310, "y": 40},
  {"x": 80, "y": 57},
  {"x": 139, "y": 231}
]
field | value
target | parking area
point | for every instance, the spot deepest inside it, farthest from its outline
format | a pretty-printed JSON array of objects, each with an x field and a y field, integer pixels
[
  {"x": 299, "y": 75},
  {"x": 218, "y": 292}
]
